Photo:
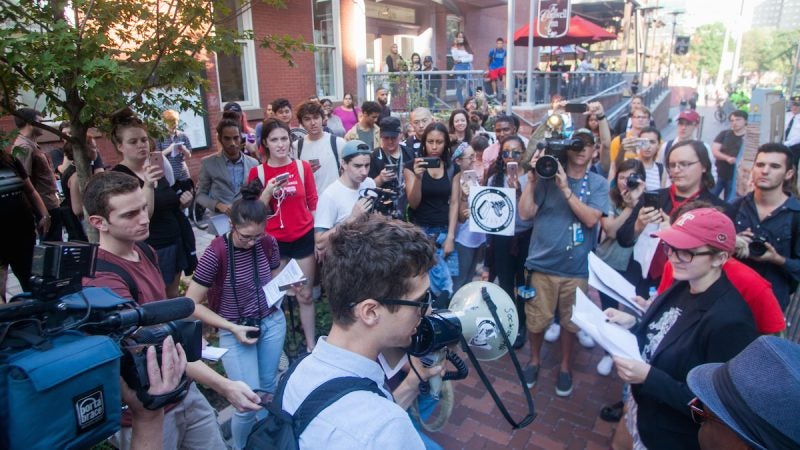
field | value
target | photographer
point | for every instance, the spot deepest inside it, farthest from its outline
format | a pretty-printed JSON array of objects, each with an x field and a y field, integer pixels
[
  {"x": 117, "y": 208},
  {"x": 343, "y": 198},
  {"x": 573, "y": 200},
  {"x": 375, "y": 274},
  {"x": 767, "y": 221},
  {"x": 386, "y": 165},
  {"x": 232, "y": 272}
]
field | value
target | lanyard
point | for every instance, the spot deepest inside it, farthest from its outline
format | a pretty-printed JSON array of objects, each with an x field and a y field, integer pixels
[
  {"x": 232, "y": 274},
  {"x": 676, "y": 204}
]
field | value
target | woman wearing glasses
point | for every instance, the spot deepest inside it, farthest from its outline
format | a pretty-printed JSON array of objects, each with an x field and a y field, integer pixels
[
  {"x": 231, "y": 273},
  {"x": 700, "y": 319}
]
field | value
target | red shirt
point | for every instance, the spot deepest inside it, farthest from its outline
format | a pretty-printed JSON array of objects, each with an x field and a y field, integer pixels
[
  {"x": 755, "y": 290},
  {"x": 295, "y": 211}
]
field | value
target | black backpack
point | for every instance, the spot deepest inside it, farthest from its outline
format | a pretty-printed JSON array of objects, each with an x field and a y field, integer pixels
[
  {"x": 107, "y": 266},
  {"x": 333, "y": 148},
  {"x": 281, "y": 430}
]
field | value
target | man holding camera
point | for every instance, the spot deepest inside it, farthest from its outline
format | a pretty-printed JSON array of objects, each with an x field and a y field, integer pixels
[
  {"x": 342, "y": 199},
  {"x": 376, "y": 276},
  {"x": 767, "y": 221},
  {"x": 573, "y": 199},
  {"x": 117, "y": 208}
]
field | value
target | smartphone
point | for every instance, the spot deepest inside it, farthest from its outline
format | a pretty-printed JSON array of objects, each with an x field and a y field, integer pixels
[
  {"x": 391, "y": 167},
  {"x": 511, "y": 169},
  {"x": 470, "y": 177},
  {"x": 314, "y": 162},
  {"x": 642, "y": 143},
  {"x": 432, "y": 162},
  {"x": 156, "y": 159},
  {"x": 282, "y": 178},
  {"x": 575, "y": 107},
  {"x": 285, "y": 287},
  {"x": 651, "y": 200}
]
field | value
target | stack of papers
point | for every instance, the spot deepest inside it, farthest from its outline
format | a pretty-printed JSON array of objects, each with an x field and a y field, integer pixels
[
  {"x": 290, "y": 274},
  {"x": 608, "y": 281},
  {"x": 614, "y": 339}
]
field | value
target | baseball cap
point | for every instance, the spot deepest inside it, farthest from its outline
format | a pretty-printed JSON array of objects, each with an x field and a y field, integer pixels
[
  {"x": 232, "y": 106},
  {"x": 795, "y": 99},
  {"x": 689, "y": 115},
  {"x": 390, "y": 126},
  {"x": 355, "y": 147},
  {"x": 755, "y": 393},
  {"x": 699, "y": 227},
  {"x": 584, "y": 134}
]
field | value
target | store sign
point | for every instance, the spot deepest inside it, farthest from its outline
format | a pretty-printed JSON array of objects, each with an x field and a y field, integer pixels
[{"x": 554, "y": 18}]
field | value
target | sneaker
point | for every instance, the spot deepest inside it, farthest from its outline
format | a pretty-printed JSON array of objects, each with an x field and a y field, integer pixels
[
  {"x": 552, "y": 333},
  {"x": 531, "y": 373},
  {"x": 522, "y": 338},
  {"x": 605, "y": 365},
  {"x": 564, "y": 384},
  {"x": 585, "y": 339}
]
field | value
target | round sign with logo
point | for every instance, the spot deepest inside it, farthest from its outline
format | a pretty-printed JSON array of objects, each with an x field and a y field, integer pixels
[{"x": 492, "y": 210}]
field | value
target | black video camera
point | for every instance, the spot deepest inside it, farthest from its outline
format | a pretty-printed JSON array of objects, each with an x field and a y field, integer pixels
[
  {"x": 384, "y": 201},
  {"x": 555, "y": 150}
]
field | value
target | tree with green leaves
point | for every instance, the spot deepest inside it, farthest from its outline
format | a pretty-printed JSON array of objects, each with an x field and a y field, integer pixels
[
  {"x": 705, "y": 51},
  {"x": 89, "y": 59},
  {"x": 769, "y": 50}
]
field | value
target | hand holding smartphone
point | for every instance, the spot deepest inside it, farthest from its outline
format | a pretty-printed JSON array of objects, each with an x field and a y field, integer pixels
[
  {"x": 156, "y": 159},
  {"x": 512, "y": 169},
  {"x": 432, "y": 162}
]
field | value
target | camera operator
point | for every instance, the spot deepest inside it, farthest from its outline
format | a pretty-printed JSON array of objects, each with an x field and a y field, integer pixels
[
  {"x": 574, "y": 199},
  {"x": 376, "y": 276},
  {"x": 386, "y": 166},
  {"x": 342, "y": 199},
  {"x": 148, "y": 425},
  {"x": 767, "y": 221},
  {"x": 117, "y": 208}
]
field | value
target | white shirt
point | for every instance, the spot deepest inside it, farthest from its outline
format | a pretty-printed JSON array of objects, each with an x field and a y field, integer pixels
[
  {"x": 321, "y": 149},
  {"x": 336, "y": 203},
  {"x": 794, "y": 133}
]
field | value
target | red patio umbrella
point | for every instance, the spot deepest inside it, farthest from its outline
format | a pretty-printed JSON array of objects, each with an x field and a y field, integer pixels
[{"x": 581, "y": 31}]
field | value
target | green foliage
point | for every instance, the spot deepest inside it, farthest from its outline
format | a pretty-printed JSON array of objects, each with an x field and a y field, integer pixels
[
  {"x": 705, "y": 50},
  {"x": 765, "y": 50}
]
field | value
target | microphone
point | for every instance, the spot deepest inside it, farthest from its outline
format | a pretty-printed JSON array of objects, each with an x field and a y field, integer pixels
[{"x": 152, "y": 313}]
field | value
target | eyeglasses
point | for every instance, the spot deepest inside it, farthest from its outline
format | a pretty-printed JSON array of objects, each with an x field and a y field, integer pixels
[
  {"x": 423, "y": 302},
  {"x": 684, "y": 256},
  {"x": 511, "y": 154},
  {"x": 653, "y": 141},
  {"x": 699, "y": 414},
  {"x": 641, "y": 117},
  {"x": 248, "y": 238},
  {"x": 681, "y": 165}
]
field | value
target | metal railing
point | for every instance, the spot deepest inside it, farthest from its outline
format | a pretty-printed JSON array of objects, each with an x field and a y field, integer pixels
[{"x": 445, "y": 90}]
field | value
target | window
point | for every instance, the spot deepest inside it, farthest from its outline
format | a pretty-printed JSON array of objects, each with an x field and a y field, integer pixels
[
  {"x": 327, "y": 60},
  {"x": 236, "y": 73}
]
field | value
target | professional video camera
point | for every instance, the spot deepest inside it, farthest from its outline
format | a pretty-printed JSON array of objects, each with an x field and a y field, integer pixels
[
  {"x": 63, "y": 349},
  {"x": 384, "y": 201},
  {"x": 555, "y": 151},
  {"x": 483, "y": 318}
]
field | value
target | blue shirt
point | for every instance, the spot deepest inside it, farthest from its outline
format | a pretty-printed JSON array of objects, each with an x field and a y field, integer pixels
[
  {"x": 235, "y": 171},
  {"x": 776, "y": 228},
  {"x": 553, "y": 248},
  {"x": 497, "y": 58},
  {"x": 359, "y": 420}
]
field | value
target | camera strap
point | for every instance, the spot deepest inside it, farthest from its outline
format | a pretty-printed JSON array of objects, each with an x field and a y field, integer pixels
[
  {"x": 232, "y": 274},
  {"x": 154, "y": 402},
  {"x": 486, "y": 382}
]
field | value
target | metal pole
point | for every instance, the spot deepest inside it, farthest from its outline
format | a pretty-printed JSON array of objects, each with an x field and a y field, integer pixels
[
  {"x": 675, "y": 15},
  {"x": 793, "y": 86},
  {"x": 644, "y": 51},
  {"x": 510, "y": 64},
  {"x": 738, "y": 49},
  {"x": 529, "y": 83}
]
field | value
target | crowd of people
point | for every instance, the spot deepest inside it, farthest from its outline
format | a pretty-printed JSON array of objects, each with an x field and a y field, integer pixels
[{"x": 377, "y": 219}]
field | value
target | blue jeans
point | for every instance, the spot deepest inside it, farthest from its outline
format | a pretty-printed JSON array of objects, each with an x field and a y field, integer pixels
[
  {"x": 426, "y": 405},
  {"x": 460, "y": 82},
  {"x": 256, "y": 365},
  {"x": 729, "y": 186},
  {"x": 439, "y": 274}
]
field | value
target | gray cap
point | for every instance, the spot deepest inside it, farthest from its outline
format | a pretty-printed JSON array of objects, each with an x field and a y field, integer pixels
[{"x": 355, "y": 147}]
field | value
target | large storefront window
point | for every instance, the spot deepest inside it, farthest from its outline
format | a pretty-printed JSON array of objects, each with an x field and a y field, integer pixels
[
  {"x": 327, "y": 59},
  {"x": 236, "y": 73}
]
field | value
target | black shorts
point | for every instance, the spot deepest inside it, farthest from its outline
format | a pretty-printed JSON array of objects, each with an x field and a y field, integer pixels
[{"x": 298, "y": 249}]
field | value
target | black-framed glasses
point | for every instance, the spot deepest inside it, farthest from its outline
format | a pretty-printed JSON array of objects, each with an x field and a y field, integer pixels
[
  {"x": 511, "y": 154},
  {"x": 248, "y": 238},
  {"x": 681, "y": 165},
  {"x": 423, "y": 302},
  {"x": 684, "y": 256}
]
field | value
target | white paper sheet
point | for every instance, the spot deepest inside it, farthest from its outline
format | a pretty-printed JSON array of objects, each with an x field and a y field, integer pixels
[
  {"x": 220, "y": 224},
  {"x": 614, "y": 339},
  {"x": 290, "y": 274},
  {"x": 646, "y": 247},
  {"x": 213, "y": 353},
  {"x": 608, "y": 281}
]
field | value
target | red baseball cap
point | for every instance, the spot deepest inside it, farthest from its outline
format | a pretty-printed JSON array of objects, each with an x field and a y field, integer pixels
[
  {"x": 699, "y": 227},
  {"x": 690, "y": 115}
]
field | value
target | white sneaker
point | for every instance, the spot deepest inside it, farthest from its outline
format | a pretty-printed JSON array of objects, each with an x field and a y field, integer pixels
[
  {"x": 585, "y": 339},
  {"x": 552, "y": 333},
  {"x": 605, "y": 365}
]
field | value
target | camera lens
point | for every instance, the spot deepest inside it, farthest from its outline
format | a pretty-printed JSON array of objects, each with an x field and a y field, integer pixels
[
  {"x": 757, "y": 247},
  {"x": 546, "y": 167},
  {"x": 633, "y": 181}
]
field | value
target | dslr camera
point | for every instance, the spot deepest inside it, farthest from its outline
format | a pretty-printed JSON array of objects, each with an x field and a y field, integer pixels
[
  {"x": 251, "y": 322},
  {"x": 633, "y": 181},
  {"x": 555, "y": 150},
  {"x": 757, "y": 246}
]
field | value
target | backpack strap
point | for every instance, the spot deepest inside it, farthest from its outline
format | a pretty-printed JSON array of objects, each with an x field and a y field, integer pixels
[
  {"x": 301, "y": 171},
  {"x": 326, "y": 395},
  {"x": 262, "y": 177},
  {"x": 300, "y": 147},
  {"x": 335, "y": 152},
  {"x": 660, "y": 171},
  {"x": 103, "y": 265}
]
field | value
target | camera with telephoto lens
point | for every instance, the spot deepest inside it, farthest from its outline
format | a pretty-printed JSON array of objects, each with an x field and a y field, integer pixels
[
  {"x": 384, "y": 201},
  {"x": 633, "y": 181},
  {"x": 757, "y": 246},
  {"x": 251, "y": 322},
  {"x": 555, "y": 150}
]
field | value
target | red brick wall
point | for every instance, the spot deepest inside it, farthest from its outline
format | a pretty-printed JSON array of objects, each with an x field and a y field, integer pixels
[{"x": 348, "y": 34}]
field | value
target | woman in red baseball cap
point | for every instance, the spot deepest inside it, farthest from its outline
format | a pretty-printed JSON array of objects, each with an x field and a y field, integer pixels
[{"x": 700, "y": 319}]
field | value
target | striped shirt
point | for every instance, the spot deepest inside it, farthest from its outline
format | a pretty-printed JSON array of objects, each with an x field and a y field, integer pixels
[{"x": 246, "y": 288}]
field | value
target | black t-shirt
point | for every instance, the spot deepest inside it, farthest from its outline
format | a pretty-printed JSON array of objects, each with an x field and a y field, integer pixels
[
  {"x": 731, "y": 145},
  {"x": 680, "y": 301},
  {"x": 13, "y": 202},
  {"x": 164, "y": 227},
  {"x": 433, "y": 208}
]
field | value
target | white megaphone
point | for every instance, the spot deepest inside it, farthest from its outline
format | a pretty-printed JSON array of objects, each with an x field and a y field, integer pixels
[{"x": 469, "y": 316}]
